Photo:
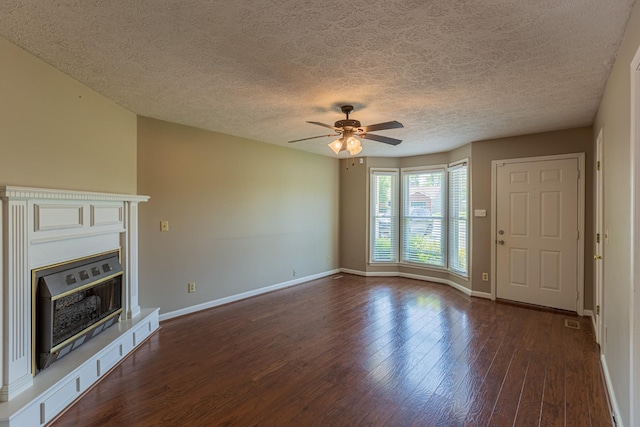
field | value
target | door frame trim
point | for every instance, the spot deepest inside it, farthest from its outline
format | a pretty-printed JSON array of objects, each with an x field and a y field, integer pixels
[
  {"x": 634, "y": 345},
  {"x": 598, "y": 249},
  {"x": 580, "y": 157}
]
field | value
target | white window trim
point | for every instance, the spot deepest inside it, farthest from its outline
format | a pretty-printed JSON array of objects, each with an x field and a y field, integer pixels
[
  {"x": 445, "y": 218},
  {"x": 452, "y": 166},
  {"x": 458, "y": 163},
  {"x": 370, "y": 215}
]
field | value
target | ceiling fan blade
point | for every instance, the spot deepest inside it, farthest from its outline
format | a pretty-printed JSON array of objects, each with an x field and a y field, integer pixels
[
  {"x": 323, "y": 125},
  {"x": 379, "y": 138},
  {"x": 382, "y": 126},
  {"x": 314, "y": 137}
]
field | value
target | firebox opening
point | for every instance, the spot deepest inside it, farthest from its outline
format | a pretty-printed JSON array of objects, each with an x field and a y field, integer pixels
[{"x": 74, "y": 302}]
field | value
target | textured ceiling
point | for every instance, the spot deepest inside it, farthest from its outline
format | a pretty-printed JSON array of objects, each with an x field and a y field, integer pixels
[{"x": 451, "y": 71}]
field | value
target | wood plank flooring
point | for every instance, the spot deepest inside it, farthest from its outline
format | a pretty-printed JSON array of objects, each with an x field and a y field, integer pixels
[{"x": 357, "y": 351}]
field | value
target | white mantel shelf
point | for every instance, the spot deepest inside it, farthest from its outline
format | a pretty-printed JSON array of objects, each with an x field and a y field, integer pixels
[
  {"x": 42, "y": 227},
  {"x": 25, "y": 193}
]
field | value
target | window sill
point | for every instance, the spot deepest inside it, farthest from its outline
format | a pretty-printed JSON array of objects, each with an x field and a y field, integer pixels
[{"x": 425, "y": 266}]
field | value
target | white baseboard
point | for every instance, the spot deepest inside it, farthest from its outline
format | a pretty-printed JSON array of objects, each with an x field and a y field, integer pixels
[
  {"x": 589, "y": 313},
  {"x": 478, "y": 294},
  {"x": 369, "y": 273},
  {"x": 243, "y": 295},
  {"x": 451, "y": 283},
  {"x": 612, "y": 395}
]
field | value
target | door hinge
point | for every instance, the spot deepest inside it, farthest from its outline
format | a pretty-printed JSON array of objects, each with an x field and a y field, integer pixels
[
  {"x": 597, "y": 237},
  {"x": 598, "y": 165},
  {"x": 578, "y": 173},
  {"x": 597, "y": 310},
  {"x": 578, "y": 235}
]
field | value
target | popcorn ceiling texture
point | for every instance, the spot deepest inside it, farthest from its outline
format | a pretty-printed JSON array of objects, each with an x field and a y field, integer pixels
[{"x": 451, "y": 71}]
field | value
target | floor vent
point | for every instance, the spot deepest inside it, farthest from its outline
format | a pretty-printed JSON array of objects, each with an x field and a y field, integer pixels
[
  {"x": 573, "y": 324},
  {"x": 337, "y": 277}
]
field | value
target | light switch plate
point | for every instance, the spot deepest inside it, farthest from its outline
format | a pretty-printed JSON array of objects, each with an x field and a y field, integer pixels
[{"x": 480, "y": 213}]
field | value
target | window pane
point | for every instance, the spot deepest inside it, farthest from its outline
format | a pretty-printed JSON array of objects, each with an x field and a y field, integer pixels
[
  {"x": 423, "y": 217},
  {"x": 384, "y": 216},
  {"x": 458, "y": 220}
]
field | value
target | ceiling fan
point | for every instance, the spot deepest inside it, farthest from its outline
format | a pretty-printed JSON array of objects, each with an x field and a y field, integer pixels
[{"x": 348, "y": 129}]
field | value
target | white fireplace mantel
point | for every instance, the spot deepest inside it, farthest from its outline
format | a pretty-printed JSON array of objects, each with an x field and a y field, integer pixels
[{"x": 42, "y": 227}]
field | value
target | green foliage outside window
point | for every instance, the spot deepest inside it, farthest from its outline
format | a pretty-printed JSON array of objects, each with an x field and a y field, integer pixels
[{"x": 425, "y": 250}]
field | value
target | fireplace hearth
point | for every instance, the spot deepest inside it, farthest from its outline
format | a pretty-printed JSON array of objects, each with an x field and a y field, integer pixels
[
  {"x": 93, "y": 314},
  {"x": 75, "y": 302}
]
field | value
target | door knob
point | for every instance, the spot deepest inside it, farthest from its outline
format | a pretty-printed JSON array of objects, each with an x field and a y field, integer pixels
[
  {"x": 596, "y": 257},
  {"x": 501, "y": 242}
]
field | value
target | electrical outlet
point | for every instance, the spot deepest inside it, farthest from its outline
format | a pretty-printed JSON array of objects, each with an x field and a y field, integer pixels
[
  {"x": 294, "y": 272},
  {"x": 191, "y": 287},
  {"x": 328, "y": 259},
  {"x": 164, "y": 225},
  {"x": 485, "y": 277}
]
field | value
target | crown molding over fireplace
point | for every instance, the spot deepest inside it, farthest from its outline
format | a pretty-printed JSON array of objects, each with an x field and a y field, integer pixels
[
  {"x": 42, "y": 227},
  {"x": 26, "y": 193}
]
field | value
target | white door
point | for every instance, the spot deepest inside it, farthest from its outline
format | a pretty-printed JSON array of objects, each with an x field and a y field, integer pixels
[
  {"x": 537, "y": 232},
  {"x": 599, "y": 242}
]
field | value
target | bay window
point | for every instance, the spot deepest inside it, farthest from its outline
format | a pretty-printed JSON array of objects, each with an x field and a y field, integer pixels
[{"x": 431, "y": 229}]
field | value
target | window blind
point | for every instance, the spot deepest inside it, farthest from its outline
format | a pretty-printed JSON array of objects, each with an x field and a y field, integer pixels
[
  {"x": 384, "y": 216},
  {"x": 423, "y": 217},
  {"x": 458, "y": 219}
]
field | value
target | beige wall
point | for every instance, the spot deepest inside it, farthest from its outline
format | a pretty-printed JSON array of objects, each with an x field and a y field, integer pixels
[
  {"x": 542, "y": 144},
  {"x": 57, "y": 133},
  {"x": 614, "y": 118},
  {"x": 242, "y": 214},
  {"x": 354, "y": 200},
  {"x": 353, "y": 214}
]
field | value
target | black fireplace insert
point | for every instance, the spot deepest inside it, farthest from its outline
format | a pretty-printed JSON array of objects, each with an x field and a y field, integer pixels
[{"x": 75, "y": 302}]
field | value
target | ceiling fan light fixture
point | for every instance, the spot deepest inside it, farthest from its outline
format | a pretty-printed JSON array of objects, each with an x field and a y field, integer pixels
[
  {"x": 347, "y": 128},
  {"x": 355, "y": 152},
  {"x": 354, "y": 146},
  {"x": 337, "y": 146}
]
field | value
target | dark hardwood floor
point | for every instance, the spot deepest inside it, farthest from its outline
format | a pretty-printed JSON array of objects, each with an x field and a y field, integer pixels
[{"x": 356, "y": 351}]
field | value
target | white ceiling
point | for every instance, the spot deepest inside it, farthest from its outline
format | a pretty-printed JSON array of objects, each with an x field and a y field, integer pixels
[{"x": 451, "y": 71}]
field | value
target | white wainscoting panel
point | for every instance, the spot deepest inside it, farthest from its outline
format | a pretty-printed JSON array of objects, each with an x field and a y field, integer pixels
[
  {"x": 58, "y": 216},
  {"x": 109, "y": 359},
  {"x": 67, "y": 393},
  {"x": 106, "y": 214}
]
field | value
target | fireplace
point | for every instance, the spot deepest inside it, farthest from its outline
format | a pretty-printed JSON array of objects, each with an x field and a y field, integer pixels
[
  {"x": 74, "y": 302},
  {"x": 70, "y": 311}
]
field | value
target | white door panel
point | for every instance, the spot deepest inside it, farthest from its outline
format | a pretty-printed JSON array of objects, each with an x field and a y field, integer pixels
[{"x": 537, "y": 223}]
